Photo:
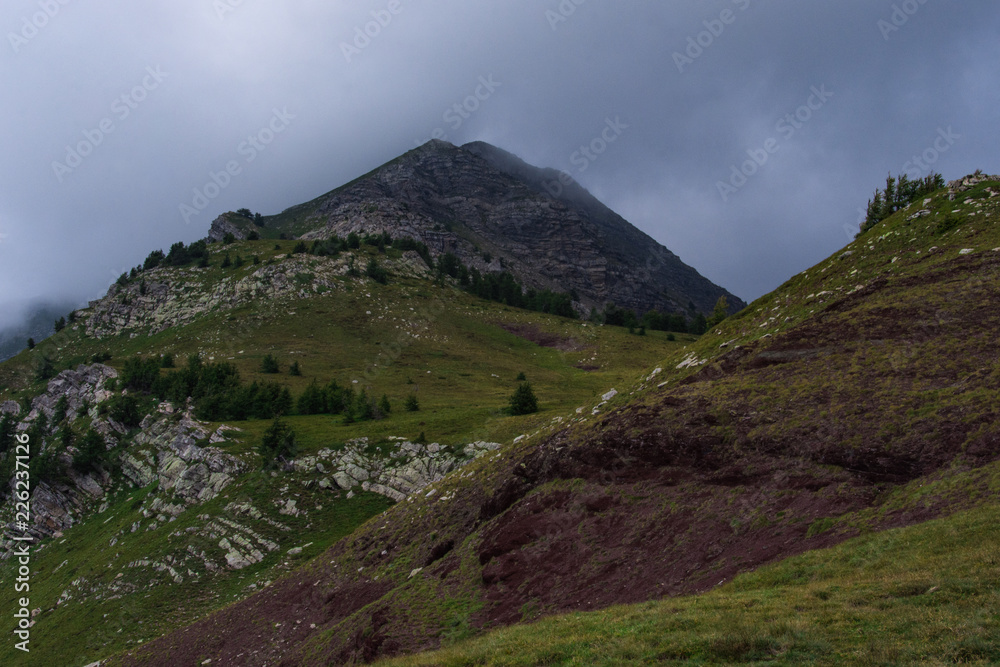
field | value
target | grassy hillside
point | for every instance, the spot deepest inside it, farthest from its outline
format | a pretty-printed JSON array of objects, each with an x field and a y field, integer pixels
[
  {"x": 925, "y": 594},
  {"x": 860, "y": 396},
  {"x": 103, "y": 587}
]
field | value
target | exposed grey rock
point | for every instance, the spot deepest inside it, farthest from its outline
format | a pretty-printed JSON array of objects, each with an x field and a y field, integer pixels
[
  {"x": 83, "y": 385},
  {"x": 408, "y": 468},
  {"x": 166, "y": 451},
  {"x": 549, "y": 234}
]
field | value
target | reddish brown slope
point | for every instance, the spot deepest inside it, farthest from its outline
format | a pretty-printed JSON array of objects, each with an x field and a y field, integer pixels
[{"x": 673, "y": 493}]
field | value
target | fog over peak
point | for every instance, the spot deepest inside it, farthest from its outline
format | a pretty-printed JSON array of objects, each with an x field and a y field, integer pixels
[{"x": 117, "y": 115}]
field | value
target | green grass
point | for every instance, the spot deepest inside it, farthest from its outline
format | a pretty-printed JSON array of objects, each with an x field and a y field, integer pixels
[
  {"x": 462, "y": 365},
  {"x": 98, "y": 620},
  {"x": 926, "y": 594}
]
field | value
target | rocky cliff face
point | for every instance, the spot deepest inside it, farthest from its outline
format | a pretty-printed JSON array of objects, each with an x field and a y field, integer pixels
[{"x": 496, "y": 212}]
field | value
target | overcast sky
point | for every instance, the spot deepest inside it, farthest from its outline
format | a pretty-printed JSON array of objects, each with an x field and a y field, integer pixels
[{"x": 115, "y": 113}]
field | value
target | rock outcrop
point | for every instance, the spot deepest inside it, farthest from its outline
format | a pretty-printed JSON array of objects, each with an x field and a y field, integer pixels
[
  {"x": 166, "y": 451},
  {"x": 404, "y": 470},
  {"x": 174, "y": 297}
]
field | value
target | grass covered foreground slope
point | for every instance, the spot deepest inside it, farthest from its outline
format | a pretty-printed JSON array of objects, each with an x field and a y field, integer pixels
[
  {"x": 860, "y": 396},
  {"x": 141, "y": 542}
]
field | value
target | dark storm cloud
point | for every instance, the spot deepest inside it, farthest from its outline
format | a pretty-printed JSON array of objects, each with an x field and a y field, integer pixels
[{"x": 212, "y": 105}]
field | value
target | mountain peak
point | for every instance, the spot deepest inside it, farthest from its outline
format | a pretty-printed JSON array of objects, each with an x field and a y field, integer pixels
[{"x": 496, "y": 212}]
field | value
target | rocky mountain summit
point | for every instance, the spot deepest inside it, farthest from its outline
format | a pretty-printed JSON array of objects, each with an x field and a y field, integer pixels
[{"x": 498, "y": 213}]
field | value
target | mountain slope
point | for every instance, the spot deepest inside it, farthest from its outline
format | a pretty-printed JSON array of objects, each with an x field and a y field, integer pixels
[
  {"x": 495, "y": 212},
  {"x": 181, "y": 520},
  {"x": 861, "y": 395}
]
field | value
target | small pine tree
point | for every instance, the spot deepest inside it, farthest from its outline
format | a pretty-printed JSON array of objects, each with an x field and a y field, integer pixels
[
  {"x": 720, "y": 312},
  {"x": 521, "y": 377},
  {"x": 91, "y": 452},
  {"x": 227, "y": 261},
  {"x": 31, "y": 343},
  {"x": 45, "y": 369},
  {"x": 384, "y": 405},
  {"x": 60, "y": 324},
  {"x": 523, "y": 401},
  {"x": 167, "y": 361},
  {"x": 278, "y": 444},
  {"x": 294, "y": 369},
  {"x": 421, "y": 439},
  {"x": 269, "y": 365},
  {"x": 62, "y": 406},
  {"x": 412, "y": 404}
]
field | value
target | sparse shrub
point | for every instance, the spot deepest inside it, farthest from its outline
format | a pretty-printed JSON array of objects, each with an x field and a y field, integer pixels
[
  {"x": 228, "y": 238},
  {"x": 949, "y": 223},
  {"x": 300, "y": 248}
]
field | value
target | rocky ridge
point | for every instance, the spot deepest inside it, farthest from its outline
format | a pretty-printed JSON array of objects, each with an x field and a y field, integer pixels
[
  {"x": 496, "y": 212},
  {"x": 174, "y": 297}
]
